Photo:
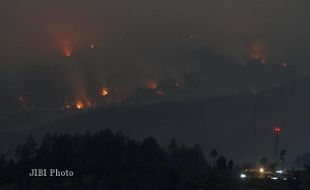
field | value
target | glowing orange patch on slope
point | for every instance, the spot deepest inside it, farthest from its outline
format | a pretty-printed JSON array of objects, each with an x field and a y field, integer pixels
[
  {"x": 152, "y": 85},
  {"x": 105, "y": 92},
  {"x": 80, "y": 105}
]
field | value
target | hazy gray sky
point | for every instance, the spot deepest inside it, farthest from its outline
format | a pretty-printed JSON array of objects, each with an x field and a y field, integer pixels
[
  {"x": 44, "y": 25},
  {"x": 142, "y": 39}
]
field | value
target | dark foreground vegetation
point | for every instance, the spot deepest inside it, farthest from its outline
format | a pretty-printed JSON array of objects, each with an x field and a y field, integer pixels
[
  {"x": 105, "y": 160},
  {"x": 112, "y": 161}
]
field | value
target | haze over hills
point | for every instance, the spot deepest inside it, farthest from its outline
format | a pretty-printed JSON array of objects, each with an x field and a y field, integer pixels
[
  {"x": 223, "y": 122},
  {"x": 231, "y": 79},
  {"x": 82, "y": 79}
]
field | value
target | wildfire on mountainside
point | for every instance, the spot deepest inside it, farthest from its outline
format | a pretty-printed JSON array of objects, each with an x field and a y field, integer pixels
[
  {"x": 105, "y": 91},
  {"x": 257, "y": 51},
  {"x": 83, "y": 105},
  {"x": 152, "y": 85}
]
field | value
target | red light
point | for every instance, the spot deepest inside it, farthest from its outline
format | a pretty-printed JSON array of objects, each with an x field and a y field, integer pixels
[{"x": 277, "y": 129}]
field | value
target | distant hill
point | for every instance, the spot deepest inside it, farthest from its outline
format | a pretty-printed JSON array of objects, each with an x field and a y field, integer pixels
[
  {"x": 188, "y": 74},
  {"x": 223, "y": 122}
]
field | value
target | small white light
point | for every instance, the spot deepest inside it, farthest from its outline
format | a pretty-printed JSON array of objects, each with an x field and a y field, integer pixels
[
  {"x": 285, "y": 179},
  {"x": 274, "y": 178},
  {"x": 261, "y": 170},
  {"x": 279, "y": 172},
  {"x": 242, "y": 176}
]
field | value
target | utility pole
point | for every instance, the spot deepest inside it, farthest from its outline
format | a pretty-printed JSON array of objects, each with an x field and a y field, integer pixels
[
  {"x": 277, "y": 131},
  {"x": 254, "y": 128}
]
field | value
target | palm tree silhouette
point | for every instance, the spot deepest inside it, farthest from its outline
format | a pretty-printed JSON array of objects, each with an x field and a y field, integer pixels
[{"x": 214, "y": 154}]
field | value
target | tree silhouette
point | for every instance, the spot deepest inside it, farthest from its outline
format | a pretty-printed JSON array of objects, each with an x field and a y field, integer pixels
[
  {"x": 172, "y": 147},
  {"x": 231, "y": 164},
  {"x": 3, "y": 163},
  {"x": 26, "y": 152},
  {"x": 107, "y": 160},
  {"x": 221, "y": 163},
  {"x": 214, "y": 154}
]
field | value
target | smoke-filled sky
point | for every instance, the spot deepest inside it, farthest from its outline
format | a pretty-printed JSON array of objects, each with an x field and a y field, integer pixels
[
  {"x": 77, "y": 45},
  {"x": 42, "y": 25},
  {"x": 76, "y": 54}
]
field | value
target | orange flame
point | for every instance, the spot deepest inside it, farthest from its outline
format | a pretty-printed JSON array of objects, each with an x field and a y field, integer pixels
[
  {"x": 152, "y": 85},
  {"x": 257, "y": 51},
  {"x": 105, "y": 92},
  {"x": 64, "y": 38},
  {"x": 80, "y": 105}
]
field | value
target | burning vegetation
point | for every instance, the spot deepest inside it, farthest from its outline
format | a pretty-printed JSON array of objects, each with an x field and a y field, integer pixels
[
  {"x": 80, "y": 105},
  {"x": 105, "y": 91},
  {"x": 257, "y": 52},
  {"x": 82, "y": 97},
  {"x": 83, "y": 94},
  {"x": 152, "y": 85}
]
